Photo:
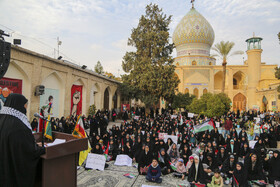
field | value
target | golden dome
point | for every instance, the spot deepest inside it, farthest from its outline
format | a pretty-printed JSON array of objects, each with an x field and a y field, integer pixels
[{"x": 193, "y": 28}]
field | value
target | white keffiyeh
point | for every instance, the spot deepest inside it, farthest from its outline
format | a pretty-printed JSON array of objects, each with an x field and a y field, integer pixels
[{"x": 13, "y": 112}]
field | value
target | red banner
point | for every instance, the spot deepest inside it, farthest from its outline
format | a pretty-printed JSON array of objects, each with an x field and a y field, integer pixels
[
  {"x": 125, "y": 107},
  {"x": 76, "y": 100},
  {"x": 8, "y": 86},
  {"x": 12, "y": 85}
]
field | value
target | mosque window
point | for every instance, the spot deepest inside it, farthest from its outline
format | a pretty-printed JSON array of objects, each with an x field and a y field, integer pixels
[
  {"x": 194, "y": 63},
  {"x": 210, "y": 63}
]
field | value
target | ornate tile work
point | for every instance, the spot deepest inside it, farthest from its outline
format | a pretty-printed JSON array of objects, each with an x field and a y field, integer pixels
[{"x": 193, "y": 28}]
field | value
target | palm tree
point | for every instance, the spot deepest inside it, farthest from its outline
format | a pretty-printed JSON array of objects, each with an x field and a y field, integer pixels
[{"x": 223, "y": 49}]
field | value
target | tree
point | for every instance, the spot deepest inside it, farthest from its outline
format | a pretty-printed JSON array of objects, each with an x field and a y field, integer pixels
[
  {"x": 223, "y": 49},
  {"x": 150, "y": 69},
  {"x": 211, "y": 105},
  {"x": 277, "y": 75},
  {"x": 111, "y": 76},
  {"x": 278, "y": 36},
  {"x": 182, "y": 100},
  {"x": 225, "y": 100},
  {"x": 129, "y": 91},
  {"x": 98, "y": 68}
]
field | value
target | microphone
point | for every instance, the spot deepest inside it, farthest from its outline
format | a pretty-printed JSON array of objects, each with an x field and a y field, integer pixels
[{"x": 37, "y": 115}]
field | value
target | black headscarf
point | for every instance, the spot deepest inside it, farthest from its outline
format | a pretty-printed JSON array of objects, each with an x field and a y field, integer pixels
[
  {"x": 16, "y": 101},
  {"x": 239, "y": 175}
]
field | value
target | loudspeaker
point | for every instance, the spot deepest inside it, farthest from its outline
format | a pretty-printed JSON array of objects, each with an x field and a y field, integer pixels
[
  {"x": 39, "y": 90},
  {"x": 5, "y": 55}
]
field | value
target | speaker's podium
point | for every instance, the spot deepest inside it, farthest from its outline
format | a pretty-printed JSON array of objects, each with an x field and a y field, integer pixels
[{"x": 59, "y": 163}]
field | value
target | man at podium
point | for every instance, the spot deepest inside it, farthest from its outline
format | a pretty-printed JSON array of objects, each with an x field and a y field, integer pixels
[{"x": 19, "y": 154}]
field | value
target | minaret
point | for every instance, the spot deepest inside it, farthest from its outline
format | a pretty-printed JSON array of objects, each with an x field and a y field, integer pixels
[{"x": 254, "y": 52}]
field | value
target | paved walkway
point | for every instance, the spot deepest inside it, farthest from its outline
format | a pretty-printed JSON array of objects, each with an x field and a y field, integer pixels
[
  {"x": 117, "y": 123},
  {"x": 113, "y": 176}
]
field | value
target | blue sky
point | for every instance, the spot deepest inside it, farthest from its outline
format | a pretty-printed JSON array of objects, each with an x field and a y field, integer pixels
[{"x": 92, "y": 30}]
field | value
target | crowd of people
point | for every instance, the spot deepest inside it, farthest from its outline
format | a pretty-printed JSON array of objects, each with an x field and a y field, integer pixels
[{"x": 209, "y": 157}]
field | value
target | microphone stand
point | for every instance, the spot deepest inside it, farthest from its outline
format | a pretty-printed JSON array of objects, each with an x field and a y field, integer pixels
[{"x": 43, "y": 132}]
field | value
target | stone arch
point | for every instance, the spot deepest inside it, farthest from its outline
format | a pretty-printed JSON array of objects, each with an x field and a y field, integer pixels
[
  {"x": 196, "y": 92},
  {"x": 80, "y": 82},
  {"x": 16, "y": 72},
  {"x": 239, "y": 102},
  {"x": 218, "y": 80},
  {"x": 264, "y": 103},
  {"x": 95, "y": 95},
  {"x": 115, "y": 99},
  {"x": 187, "y": 91},
  {"x": 52, "y": 76},
  {"x": 205, "y": 91},
  {"x": 106, "y": 103},
  {"x": 238, "y": 80},
  {"x": 55, "y": 87}
]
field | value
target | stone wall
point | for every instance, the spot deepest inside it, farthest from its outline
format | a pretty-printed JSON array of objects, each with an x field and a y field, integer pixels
[{"x": 35, "y": 69}]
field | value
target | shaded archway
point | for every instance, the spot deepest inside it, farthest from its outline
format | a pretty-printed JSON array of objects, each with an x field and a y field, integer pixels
[
  {"x": 238, "y": 80},
  {"x": 95, "y": 95},
  {"x": 15, "y": 71},
  {"x": 264, "y": 104},
  {"x": 115, "y": 100},
  {"x": 187, "y": 91},
  {"x": 239, "y": 102},
  {"x": 106, "y": 99},
  {"x": 218, "y": 80},
  {"x": 78, "y": 97},
  {"x": 196, "y": 92},
  {"x": 54, "y": 88},
  {"x": 205, "y": 91}
]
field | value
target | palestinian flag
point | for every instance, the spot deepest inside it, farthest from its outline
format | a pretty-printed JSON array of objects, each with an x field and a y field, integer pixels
[
  {"x": 172, "y": 166},
  {"x": 106, "y": 151},
  {"x": 181, "y": 120},
  {"x": 79, "y": 131},
  {"x": 208, "y": 125},
  {"x": 160, "y": 159},
  {"x": 199, "y": 185},
  {"x": 129, "y": 175},
  {"x": 48, "y": 129}
]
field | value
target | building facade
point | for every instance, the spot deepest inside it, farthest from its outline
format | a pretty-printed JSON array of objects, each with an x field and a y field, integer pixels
[
  {"x": 70, "y": 87},
  {"x": 249, "y": 86}
]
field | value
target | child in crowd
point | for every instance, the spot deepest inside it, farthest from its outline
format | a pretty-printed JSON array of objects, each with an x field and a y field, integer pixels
[
  {"x": 154, "y": 172},
  {"x": 217, "y": 180},
  {"x": 180, "y": 169}
]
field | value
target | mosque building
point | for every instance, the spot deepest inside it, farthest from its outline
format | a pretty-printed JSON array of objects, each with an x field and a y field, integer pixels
[{"x": 249, "y": 86}]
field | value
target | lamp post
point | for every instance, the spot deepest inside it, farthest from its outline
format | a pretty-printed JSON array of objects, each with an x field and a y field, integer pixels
[{"x": 58, "y": 44}]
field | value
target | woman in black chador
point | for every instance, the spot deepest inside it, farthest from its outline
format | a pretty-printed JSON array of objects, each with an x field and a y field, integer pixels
[{"x": 19, "y": 154}]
